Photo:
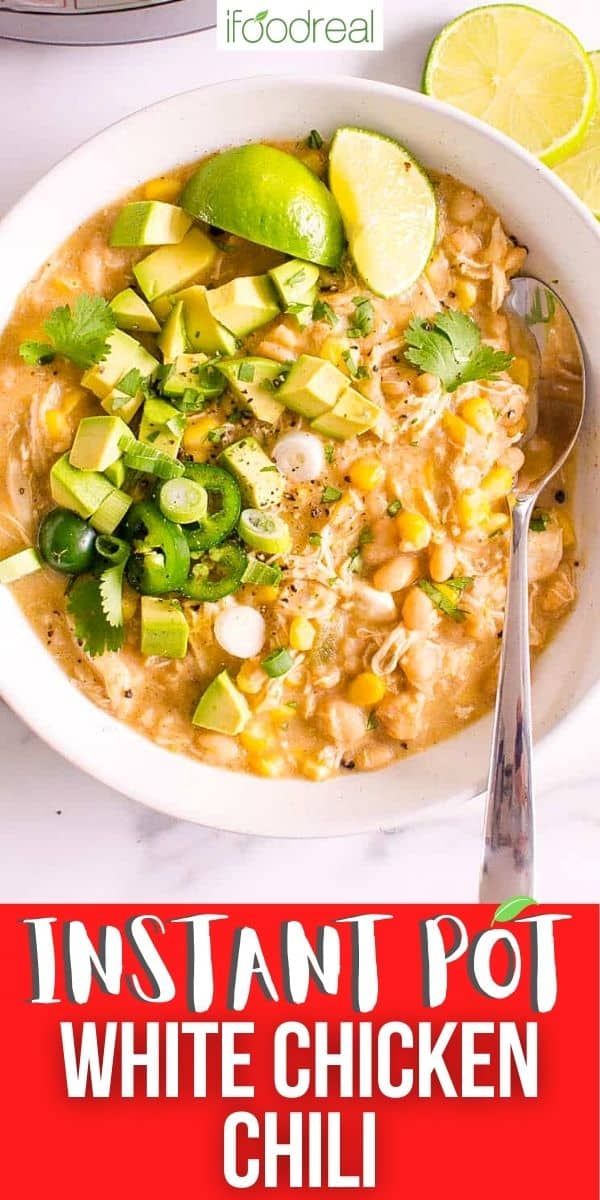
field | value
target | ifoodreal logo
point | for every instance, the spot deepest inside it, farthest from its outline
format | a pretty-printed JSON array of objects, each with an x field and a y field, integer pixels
[{"x": 293, "y": 25}]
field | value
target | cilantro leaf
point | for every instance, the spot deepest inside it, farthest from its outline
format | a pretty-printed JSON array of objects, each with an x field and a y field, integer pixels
[
  {"x": 540, "y": 520},
  {"x": 111, "y": 594},
  {"x": 80, "y": 333},
  {"x": 85, "y": 605},
  {"x": 450, "y": 347},
  {"x": 322, "y": 311},
  {"x": 364, "y": 317},
  {"x": 446, "y": 596},
  {"x": 36, "y": 354}
]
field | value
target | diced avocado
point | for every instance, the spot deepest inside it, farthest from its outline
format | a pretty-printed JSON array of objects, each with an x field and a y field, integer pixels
[
  {"x": 260, "y": 481},
  {"x": 99, "y": 441},
  {"x": 162, "y": 426},
  {"x": 203, "y": 331},
  {"x": 126, "y": 406},
  {"x": 189, "y": 371},
  {"x": 312, "y": 387},
  {"x": 82, "y": 492},
  {"x": 294, "y": 281},
  {"x": 172, "y": 341},
  {"x": 222, "y": 707},
  {"x": 111, "y": 512},
  {"x": 247, "y": 378},
  {"x": 351, "y": 416},
  {"x": 244, "y": 304},
  {"x": 18, "y": 565},
  {"x": 173, "y": 267},
  {"x": 131, "y": 312},
  {"x": 124, "y": 355},
  {"x": 149, "y": 223},
  {"x": 161, "y": 307},
  {"x": 165, "y": 630},
  {"x": 117, "y": 473}
]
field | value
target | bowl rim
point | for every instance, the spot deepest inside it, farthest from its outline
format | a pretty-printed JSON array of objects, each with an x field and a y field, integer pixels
[{"x": 110, "y": 773}]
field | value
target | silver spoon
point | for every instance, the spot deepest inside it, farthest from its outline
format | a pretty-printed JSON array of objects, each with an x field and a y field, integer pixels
[{"x": 557, "y": 410}]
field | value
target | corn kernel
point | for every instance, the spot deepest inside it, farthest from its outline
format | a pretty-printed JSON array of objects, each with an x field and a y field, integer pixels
[
  {"x": 165, "y": 188},
  {"x": 567, "y": 527},
  {"x": 472, "y": 509},
  {"x": 313, "y": 769},
  {"x": 302, "y": 634},
  {"x": 333, "y": 349},
  {"x": 271, "y": 768},
  {"x": 498, "y": 482},
  {"x": 254, "y": 740},
  {"x": 518, "y": 429},
  {"x": 455, "y": 427},
  {"x": 266, "y": 594},
  {"x": 130, "y": 603},
  {"x": 71, "y": 400},
  {"x": 56, "y": 425},
  {"x": 520, "y": 371},
  {"x": 466, "y": 294},
  {"x": 366, "y": 473},
  {"x": 497, "y": 521},
  {"x": 477, "y": 412},
  {"x": 250, "y": 678},
  {"x": 366, "y": 690},
  {"x": 195, "y": 438},
  {"x": 414, "y": 530},
  {"x": 62, "y": 284},
  {"x": 282, "y": 714}
]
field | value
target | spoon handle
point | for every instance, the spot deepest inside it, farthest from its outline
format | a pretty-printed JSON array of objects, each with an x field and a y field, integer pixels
[{"x": 508, "y": 858}]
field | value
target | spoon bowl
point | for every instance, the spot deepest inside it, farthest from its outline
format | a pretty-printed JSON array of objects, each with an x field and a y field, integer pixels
[{"x": 555, "y": 415}]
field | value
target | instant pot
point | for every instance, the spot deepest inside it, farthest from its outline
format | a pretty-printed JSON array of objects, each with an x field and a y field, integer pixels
[{"x": 97, "y": 22}]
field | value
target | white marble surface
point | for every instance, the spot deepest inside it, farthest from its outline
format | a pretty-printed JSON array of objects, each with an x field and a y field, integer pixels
[{"x": 65, "y": 837}]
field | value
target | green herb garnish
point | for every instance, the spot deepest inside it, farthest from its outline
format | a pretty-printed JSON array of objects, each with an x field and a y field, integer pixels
[
  {"x": 330, "y": 495},
  {"x": 364, "y": 317},
  {"x": 314, "y": 140},
  {"x": 394, "y": 508},
  {"x": 322, "y": 311},
  {"x": 540, "y": 520},
  {"x": 79, "y": 333},
  {"x": 86, "y": 604},
  {"x": 315, "y": 539},
  {"x": 450, "y": 347},
  {"x": 130, "y": 383},
  {"x": 329, "y": 452},
  {"x": 372, "y": 722},
  {"x": 446, "y": 596}
]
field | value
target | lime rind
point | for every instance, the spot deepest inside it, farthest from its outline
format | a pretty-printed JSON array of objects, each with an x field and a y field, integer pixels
[
  {"x": 568, "y": 142},
  {"x": 269, "y": 197},
  {"x": 388, "y": 207},
  {"x": 581, "y": 171}
]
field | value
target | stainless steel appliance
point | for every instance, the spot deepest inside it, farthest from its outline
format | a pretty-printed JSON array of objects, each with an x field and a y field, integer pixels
[{"x": 97, "y": 22}]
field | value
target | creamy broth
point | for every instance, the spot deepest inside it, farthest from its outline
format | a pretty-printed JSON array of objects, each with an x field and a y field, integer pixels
[{"x": 355, "y": 561}]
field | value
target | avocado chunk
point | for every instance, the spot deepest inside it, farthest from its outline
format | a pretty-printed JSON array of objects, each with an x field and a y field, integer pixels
[
  {"x": 117, "y": 472},
  {"x": 82, "y": 492},
  {"x": 172, "y": 339},
  {"x": 131, "y": 312},
  {"x": 222, "y": 707},
  {"x": 149, "y": 223},
  {"x": 244, "y": 304},
  {"x": 111, "y": 512},
  {"x": 295, "y": 282},
  {"x": 197, "y": 373},
  {"x": 173, "y": 267},
  {"x": 18, "y": 565},
  {"x": 119, "y": 402},
  {"x": 312, "y": 387},
  {"x": 204, "y": 332},
  {"x": 351, "y": 416},
  {"x": 161, "y": 307},
  {"x": 162, "y": 426},
  {"x": 260, "y": 481},
  {"x": 165, "y": 630},
  {"x": 124, "y": 355},
  {"x": 249, "y": 380},
  {"x": 99, "y": 441}
]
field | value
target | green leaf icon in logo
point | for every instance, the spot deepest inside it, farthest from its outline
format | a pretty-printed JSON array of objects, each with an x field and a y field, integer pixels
[
  {"x": 261, "y": 15},
  {"x": 512, "y": 908}
]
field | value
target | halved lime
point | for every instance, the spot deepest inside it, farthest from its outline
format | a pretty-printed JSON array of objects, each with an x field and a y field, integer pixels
[
  {"x": 582, "y": 170},
  {"x": 269, "y": 197},
  {"x": 519, "y": 70},
  {"x": 388, "y": 208}
]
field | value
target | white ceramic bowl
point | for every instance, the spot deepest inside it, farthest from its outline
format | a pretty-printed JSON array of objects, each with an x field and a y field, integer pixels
[{"x": 564, "y": 245}]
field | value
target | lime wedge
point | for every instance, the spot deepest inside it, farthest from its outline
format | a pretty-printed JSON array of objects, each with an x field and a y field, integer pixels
[
  {"x": 269, "y": 197},
  {"x": 388, "y": 208},
  {"x": 520, "y": 71},
  {"x": 582, "y": 170}
]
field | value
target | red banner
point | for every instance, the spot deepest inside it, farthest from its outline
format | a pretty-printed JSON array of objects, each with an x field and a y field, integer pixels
[{"x": 155, "y": 1051}]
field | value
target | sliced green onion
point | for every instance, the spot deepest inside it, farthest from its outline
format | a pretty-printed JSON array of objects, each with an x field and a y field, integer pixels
[
  {"x": 261, "y": 574},
  {"x": 277, "y": 663},
  {"x": 113, "y": 549},
  {"x": 394, "y": 508},
  {"x": 146, "y": 458},
  {"x": 330, "y": 495},
  {"x": 183, "y": 501},
  {"x": 264, "y": 532}
]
